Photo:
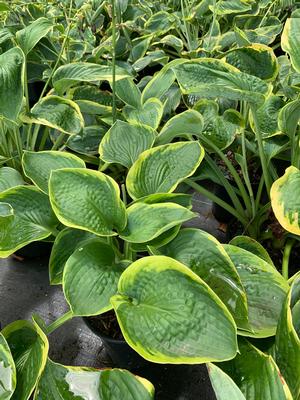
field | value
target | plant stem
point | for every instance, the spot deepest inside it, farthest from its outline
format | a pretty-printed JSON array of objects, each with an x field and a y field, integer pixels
[
  {"x": 60, "y": 321},
  {"x": 127, "y": 251},
  {"x": 43, "y": 139},
  {"x": 217, "y": 200},
  {"x": 114, "y": 107},
  {"x": 58, "y": 141},
  {"x": 286, "y": 257}
]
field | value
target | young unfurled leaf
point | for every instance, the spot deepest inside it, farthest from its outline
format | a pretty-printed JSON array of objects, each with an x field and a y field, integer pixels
[
  {"x": 81, "y": 383},
  {"x": 87, "y": 200},
  {"x": 205, "y": 256},
  {"x": 124, "y": 142},
  {"x": 29, "y": 347},
  {"x": 28, "y": 37},
  {"x": 7, "y": 371},
  {"x": 287, "y": 345},
  {"x": 169, "y": 315},
  {"x": 162, "y": 168},
  {"x": 256, "y": 374},
  {"x": 9, "y": 178},
  {"x": 38, "y": 165},
  {"x": 11, "y": 83},
  {"x": 285, "y": 200}
]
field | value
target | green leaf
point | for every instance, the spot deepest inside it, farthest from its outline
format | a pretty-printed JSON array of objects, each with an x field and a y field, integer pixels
[
  {"x": 38, "y": 165},
  {"x": 159, "y": 84},
  {"x": 265, "y": 290},
  {"x": 224, "y": 387},
  {"x": 290, "y": 39},
  {"x": 189, "y": 122},
  {"x": 29, "y": 347},
  {"x": 285, "y": 200},
  {"x": 7, "y": 371},
  {"x": 256, "y": 374},
  {"x": 124, "y": 142},
  {"x": 161, "y": 169},
  {"x": 128, "y": 92},
  {"x": 210, "y": 78},
  {"x": 87, "y": 200},
  {"x": 66, "y": 242},
  {"x": 11, "y": 82},
  {"x": 169, "y": 315},
  {"x": 289, "y": 117},
  {"x": 182, "y": 199},
  {"x": 28, "y": 37},
  {"x": 88, "y": 140},
  {"x": 70, "y": 74},
  {"x": 287, "y": 344},
  {"x": 32, "y": 220},
  {"x": 80, "y": 383},
  {"x": 205, "y": 256},
  {"x": 90, "y": 278},
  {"x": 58, "y": 113},
  {"x": 147, "y": 221},
  {"x": 9, "y": 178},
  {"x": 258, "y": 60},
  {"x": 149, "y": 114},
  {"x": 250, "y": 244},
  {"x": 232, "y": 6}
]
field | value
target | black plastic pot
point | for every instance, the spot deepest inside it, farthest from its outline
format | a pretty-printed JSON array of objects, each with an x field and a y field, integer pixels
[{"x": 121, "y": 354}]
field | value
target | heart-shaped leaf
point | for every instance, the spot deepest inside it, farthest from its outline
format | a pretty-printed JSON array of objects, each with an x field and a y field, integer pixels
[
  {"x": 7, "y": 371},
  {"x": 32, "y": 219},
  {"x": 169, "y": 315},
  {"x": 210, "y": 78},
  {"x": 265, "y": 290},
  {"x": 9, "y": 178},
  {"x": 124, "y": 142},
  {"x": 250, "y": 244},
  {"x": 189, "y": 122},
  {"x": 287, "y": 344},
  {"x": 38, "y": 165},
  {"x": 29, "y": 347},
  {"x": 150, "y": 114},
  {"x": 162, "y": 168},
  {"x": 70, "y": 74},
  {"x": 148, "y": 221},
  {"x": 90, "y": 278},
  {"x": 290, "y": 39},
  {"x": 66, "y": 242},
  {"x": 256, "y": 374},
  {"x": 80, "y": 383},
  {"x": 87, "y": 200},
  {"x": 206, "y": 257},
  {"x": 28, "y": 37},
  {"x": 285, "y": 200},
  {"x": 224, "y": 387},
  {"x": 58, "y": 113},
  {"x": 11, "y": 82}
]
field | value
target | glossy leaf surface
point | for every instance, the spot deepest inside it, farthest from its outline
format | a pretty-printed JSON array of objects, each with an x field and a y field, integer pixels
[
  {"x": 224, "y": 387},
  {"x": 28, "y": 37},
  {"x": 10, "y": 177}
]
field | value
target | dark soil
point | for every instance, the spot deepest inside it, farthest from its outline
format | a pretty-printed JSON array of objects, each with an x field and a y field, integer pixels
[{"x": 107, "y": 325}]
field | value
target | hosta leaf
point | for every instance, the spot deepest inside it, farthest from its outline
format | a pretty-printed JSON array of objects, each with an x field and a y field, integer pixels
[
  {"x": 66, "y": 242},
  {"x": 58, "y": 113},
  {"x": 80, "y": 383},
  {"x": 160, "y": 22},
  {"x": 189, "y": 122},
  {"x": 29, "y": 347},
  {"x": 70, "y": 74},
  {"x": 159, "y": 84},
  {"x": 147, "y": 221},
  {"x": 250, "y": 244},
  {"x": 224, "y": 387},
  {"x": 258, "y": 60},
  {"x": 169, "y": 315},
  {"x": 232, "y": 6},
  {"x": 87, "y": 200},
  {"x": 182, "y": 199},
  {"x": 285, "y": 200},
  {"x": 38, "y": 165},
  {"x": 267, "y": 117},
  {"x": 90, "y": 278},
  {"x": 7, "y": 371},
  {"x": 11, "y": 82},
  {"x": 32, "y": 220},
  {"x": 256, "y": 374},
  {"x": 88, "y": 140},
  {"x": 289, "y": 117},
  {"x": 9, "y": 178},
  {"x": 28, "y": 37},
  {"x": 287, "y": 345},
  {"x": 124, "y": 142},
  {"x": 149, "y": 114},
  {"x": 205, "y": 256},
  {"x": 162, "y": 168},
  {"x": 210, "y": 78},
  {"x": 265, "y": 290},
  {"x": 128, "y": 92},
  {"x": 290, "y": 39}
]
